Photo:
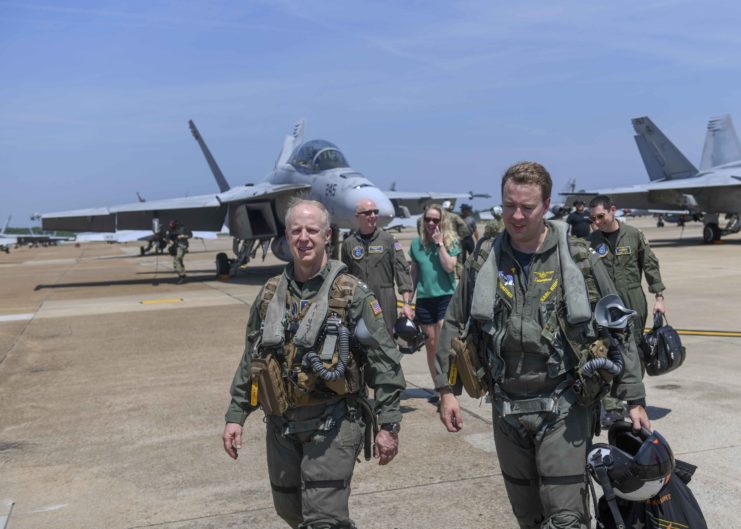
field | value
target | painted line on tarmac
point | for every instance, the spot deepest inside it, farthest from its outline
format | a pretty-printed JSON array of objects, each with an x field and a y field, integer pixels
[
  {"x": 700, "y": 332},
  {"x": 16, "y": 317},
  {"x": 153, "y": 301}
]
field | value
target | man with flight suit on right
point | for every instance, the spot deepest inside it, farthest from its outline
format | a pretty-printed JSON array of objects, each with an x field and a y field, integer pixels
[
  {"x": 627, "y": 256},
  {"x": 525, "y": 306}
]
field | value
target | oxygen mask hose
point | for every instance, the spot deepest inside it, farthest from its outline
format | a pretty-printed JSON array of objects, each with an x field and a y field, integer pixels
[{"x": 312, "y": 361}]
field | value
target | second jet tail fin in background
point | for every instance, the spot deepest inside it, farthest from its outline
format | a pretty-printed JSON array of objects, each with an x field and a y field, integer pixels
[
  {"x": 721, "y": 143},
  {"x": 662, "y": 159}
]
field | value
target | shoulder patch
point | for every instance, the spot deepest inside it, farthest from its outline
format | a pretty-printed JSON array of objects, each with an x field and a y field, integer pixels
[
  {"x": 397, "y": 245},
  {"x": 357, "y": 252},
  {"x": 375, "y": 306}
]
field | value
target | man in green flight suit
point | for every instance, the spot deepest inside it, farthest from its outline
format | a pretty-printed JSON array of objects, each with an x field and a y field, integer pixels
[
  {"x": 627, "y": 256},
  {"x": 178, "y": 236},
  {"x": 316, "y": 406},
  {"x": 495, "y": 226},
  {"x": 525, "y": 302},
  {"x": 377, "y": 258}
]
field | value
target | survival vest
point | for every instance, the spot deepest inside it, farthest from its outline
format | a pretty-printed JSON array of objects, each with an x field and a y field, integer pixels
[
  {"x": 306, "y": 358},
  {"x": 484, "y": 332}
]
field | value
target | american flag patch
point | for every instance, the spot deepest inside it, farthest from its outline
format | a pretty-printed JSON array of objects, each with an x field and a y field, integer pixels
[{"x": 375, "y": 307}]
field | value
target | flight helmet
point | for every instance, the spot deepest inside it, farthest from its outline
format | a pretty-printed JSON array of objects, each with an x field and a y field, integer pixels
[
  {"x": 638, "y": 464},
  {"x": 409, "y": 337}
]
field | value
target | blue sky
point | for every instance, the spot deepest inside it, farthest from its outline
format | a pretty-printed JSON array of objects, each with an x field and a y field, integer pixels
[{"x": 437, "y": 95}]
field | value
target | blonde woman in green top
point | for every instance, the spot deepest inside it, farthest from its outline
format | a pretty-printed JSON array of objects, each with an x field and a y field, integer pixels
[{"x": 434, "y": 256}]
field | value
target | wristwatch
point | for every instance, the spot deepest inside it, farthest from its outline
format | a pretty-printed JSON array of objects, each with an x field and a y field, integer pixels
[
  {"x": 439, "y": 244},
  {"x": 391, "y": 427}
]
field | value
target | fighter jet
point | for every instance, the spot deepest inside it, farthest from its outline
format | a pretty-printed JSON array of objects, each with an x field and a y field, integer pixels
[
  {"x": 315, "y": 169},
  {"x": 676, "y": 184}
]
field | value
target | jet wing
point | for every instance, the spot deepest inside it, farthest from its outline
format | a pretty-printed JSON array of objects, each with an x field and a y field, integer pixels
[
  {"x": 411, "y": 203},
  {"x": 201, "y": 212},
  {"x": 708, "y": 193}
]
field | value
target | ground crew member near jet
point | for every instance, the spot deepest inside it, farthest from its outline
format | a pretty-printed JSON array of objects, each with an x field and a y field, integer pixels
[
  {"x": 178, "y": 236},
  {"x": 310, "y": 377},
  {"x": 461, "y": 229},
  {"x": 579, "y": 220},
  {"x": 527, "y": 299},
  {"x": 469, "y": 243},
  {"x": 495, "y": 226},
  {"x": 626, "y": 254},
  {"x": 377, "y": 258}
]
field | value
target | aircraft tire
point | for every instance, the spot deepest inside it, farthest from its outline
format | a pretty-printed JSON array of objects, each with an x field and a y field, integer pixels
[
  {"x": 222, "y": 264},
  {"x": 710, "y": 233}
]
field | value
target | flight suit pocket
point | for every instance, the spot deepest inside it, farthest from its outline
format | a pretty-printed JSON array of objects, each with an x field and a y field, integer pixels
[{"x": 351, "y": 433}]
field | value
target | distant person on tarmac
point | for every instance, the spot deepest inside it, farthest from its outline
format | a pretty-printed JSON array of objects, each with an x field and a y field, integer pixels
[
  {"x": 178, "y": 235},
  {"x": 578, "y": 220}
]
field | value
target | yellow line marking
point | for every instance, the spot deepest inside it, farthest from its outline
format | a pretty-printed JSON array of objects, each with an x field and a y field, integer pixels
[
  {"x": 153, "y": 301},
  {"x": 696, "y": 332}
]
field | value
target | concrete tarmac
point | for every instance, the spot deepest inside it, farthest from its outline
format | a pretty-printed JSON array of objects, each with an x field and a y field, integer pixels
[{"x": 114, "y": 381}]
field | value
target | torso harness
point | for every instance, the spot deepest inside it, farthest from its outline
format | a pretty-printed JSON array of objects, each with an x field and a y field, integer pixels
[
  {"x": 573, "y": 320},
  {"x": 307, "y": 359}
]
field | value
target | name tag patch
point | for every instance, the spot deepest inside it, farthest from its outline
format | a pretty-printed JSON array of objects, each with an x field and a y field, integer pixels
[
  {"x": 543, "y": 277},
  {"x": 375, "y": 249},
  {"x": 622, "y": 250}
]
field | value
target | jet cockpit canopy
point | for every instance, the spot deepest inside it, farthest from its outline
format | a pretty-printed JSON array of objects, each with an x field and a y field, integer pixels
[{"x": 317, "y": 155}]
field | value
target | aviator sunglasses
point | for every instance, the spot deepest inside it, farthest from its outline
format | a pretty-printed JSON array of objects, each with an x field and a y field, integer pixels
[
  {"x": 598, "y": 216},
  {"x": 430, "y": 219},
  {"x": 368, "y": 212}
]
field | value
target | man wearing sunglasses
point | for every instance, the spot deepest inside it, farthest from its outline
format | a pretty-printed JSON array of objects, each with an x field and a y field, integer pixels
[
  {"x": 626, "y": 254},
  {"x": 376, "y": 257}
]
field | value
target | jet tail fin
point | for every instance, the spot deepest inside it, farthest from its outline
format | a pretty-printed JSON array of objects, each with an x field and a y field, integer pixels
[
  {"x": 295, "y": 138},
  {"x": 662, "y": 159},
  {"x": 218, "y": 175},
  {"x": 721, "y": 143}
]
